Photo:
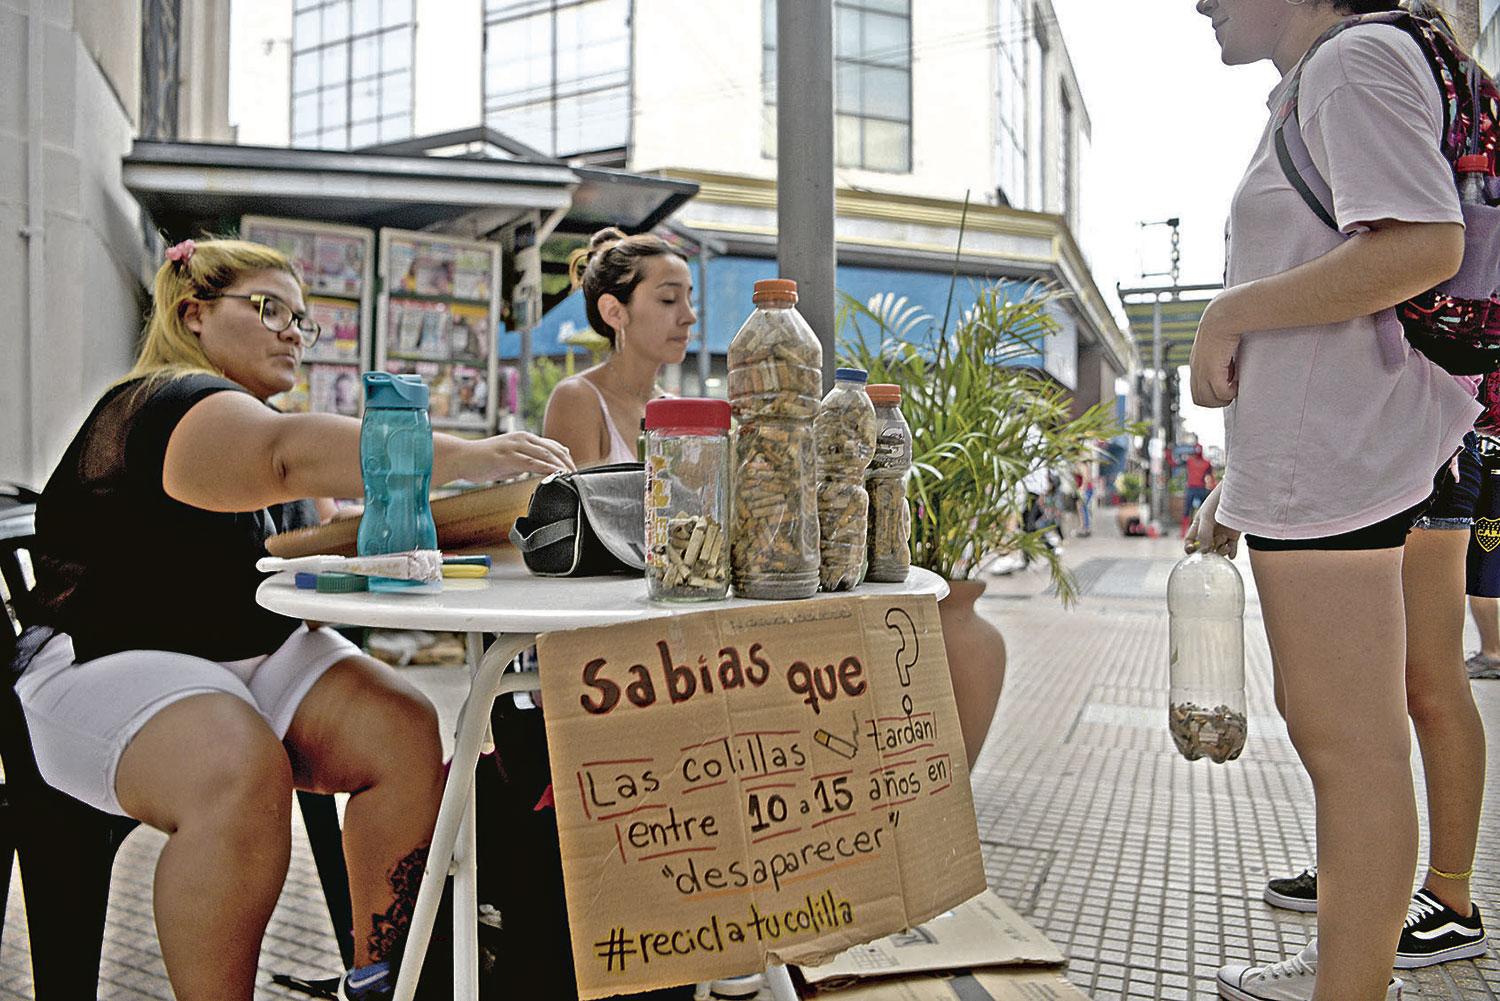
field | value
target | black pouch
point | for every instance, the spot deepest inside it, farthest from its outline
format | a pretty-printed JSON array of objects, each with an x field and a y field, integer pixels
[{"x": 587, "y": 523}]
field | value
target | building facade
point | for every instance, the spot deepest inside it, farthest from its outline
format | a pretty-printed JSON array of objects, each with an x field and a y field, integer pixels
[
  {"x": 81, "y": 80},
  {"x": 935, "y": 100}
]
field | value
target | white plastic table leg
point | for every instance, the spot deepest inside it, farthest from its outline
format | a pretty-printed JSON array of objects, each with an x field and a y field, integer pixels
[
  {"x": 780, "y": 982},
  {"x": 473, "y": 723}
]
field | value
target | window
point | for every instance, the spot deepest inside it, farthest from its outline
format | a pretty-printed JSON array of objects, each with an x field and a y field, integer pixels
[
  {"x": 1065, "y": 157},
  {"x": 351, "y": 72},
  {"x": 1038, "y": 110},
  {"x": 872, "y": 88},
  {"x": 1013, "y": 46},
  {"x": 557, "y": 73}
]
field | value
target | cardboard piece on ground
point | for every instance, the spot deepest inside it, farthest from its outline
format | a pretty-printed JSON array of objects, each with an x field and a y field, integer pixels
[
  {"x": 473, "y": 519},
  {"x": 968, "y": 985},
  {"x": 754, "y": 785},
  {"x": 981, "y": 932}
]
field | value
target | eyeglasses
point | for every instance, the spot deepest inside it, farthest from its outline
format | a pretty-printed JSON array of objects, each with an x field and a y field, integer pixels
[{"x": 276, "y": 315}]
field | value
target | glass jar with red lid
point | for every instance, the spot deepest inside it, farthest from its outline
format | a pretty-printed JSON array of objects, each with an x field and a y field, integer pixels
[{"x": 687, "y": 499}]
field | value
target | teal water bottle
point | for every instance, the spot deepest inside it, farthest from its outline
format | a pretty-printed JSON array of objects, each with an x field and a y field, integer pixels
[{"x": 395, "y": 458}]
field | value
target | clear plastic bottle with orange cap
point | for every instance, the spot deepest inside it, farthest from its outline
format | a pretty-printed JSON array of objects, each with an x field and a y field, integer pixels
[
  {"x": 890, "y": 514},
  {"x": 775, "y": 381}
]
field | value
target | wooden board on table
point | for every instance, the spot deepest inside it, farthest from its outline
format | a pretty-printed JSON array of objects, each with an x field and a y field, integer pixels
[{"x": 474, "y": 519}]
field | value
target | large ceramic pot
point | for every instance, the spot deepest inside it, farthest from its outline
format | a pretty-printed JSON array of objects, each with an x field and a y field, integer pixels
[{"x": 976, "y": 661}]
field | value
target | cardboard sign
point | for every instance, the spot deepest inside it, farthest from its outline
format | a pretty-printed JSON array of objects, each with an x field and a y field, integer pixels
[
  {"x": 754, "y": 785},
  {"x": 982, "y": 932},
  {"x": 966, "y": 985}
]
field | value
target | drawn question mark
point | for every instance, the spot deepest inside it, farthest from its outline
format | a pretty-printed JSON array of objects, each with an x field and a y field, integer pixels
[{"x": 900, "y": 623}]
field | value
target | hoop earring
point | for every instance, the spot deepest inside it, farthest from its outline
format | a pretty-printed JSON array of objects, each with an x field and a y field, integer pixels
[{"x": 1296, "y": 3}]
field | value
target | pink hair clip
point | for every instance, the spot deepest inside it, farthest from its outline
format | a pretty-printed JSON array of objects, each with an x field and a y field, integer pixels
[{"x": 182, "y": 252}]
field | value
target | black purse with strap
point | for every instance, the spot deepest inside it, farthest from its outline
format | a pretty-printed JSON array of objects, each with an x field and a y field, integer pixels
[{"x": 587, "y": 523}]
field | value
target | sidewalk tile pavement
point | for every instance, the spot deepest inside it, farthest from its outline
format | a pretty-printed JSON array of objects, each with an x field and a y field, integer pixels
[{"x": 1146, "y": 869}]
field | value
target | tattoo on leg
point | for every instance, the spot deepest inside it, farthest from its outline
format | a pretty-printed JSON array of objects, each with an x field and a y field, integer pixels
[{"x": 388, "y": 930}]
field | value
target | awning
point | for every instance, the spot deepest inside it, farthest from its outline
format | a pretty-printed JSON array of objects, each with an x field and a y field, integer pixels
[
  {"x": 1179, "y": 325},
  {"x": 185, "y": 186}
]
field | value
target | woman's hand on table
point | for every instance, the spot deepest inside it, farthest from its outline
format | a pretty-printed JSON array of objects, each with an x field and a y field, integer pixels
[{"x": 515, "y": 453}]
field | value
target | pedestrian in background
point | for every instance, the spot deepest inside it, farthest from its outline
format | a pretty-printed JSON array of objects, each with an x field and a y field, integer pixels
[{"x": 1337, "y": 433}]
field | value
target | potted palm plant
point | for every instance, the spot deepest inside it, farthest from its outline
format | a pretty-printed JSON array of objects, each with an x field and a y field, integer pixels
[{"x": 980, "y": 424}]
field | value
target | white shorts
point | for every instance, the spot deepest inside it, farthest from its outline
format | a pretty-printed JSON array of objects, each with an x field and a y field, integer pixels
[{"x": 82, "y": 716}]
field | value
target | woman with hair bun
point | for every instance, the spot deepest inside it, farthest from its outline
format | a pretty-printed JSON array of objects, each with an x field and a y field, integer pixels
[
  {"x": 155, "y": 687},
  {"x": 638, "y": 293}
]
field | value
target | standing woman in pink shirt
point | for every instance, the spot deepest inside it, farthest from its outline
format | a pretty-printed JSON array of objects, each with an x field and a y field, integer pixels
[{"x": 1336, "y": 431}]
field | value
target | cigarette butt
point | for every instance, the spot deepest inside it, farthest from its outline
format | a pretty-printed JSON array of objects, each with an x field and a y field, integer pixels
[
  {"x": 465, "y": 570},
  {"x": 838, "y": 745}
]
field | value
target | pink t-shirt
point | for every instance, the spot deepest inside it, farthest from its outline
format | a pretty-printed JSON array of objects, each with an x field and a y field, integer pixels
[{"x": 1338, "y": 427}]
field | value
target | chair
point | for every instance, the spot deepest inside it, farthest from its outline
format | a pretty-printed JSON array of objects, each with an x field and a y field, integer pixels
[{"x": 66, "y": 848}]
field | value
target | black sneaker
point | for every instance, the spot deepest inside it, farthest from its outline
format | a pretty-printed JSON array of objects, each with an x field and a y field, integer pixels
[
  {"x": 1295, "y": 893},
  {"x": 1436, "y": 933}
]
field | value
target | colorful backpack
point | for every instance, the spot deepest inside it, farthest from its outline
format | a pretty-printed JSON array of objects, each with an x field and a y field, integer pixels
[{"x": 1457, "y": 324}]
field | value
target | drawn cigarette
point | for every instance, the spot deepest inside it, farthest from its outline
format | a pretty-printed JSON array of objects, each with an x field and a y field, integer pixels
[{"x": 838, "y": 745}]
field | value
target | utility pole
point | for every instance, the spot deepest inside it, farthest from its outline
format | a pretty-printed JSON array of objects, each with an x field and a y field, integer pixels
[
  {"x": 806, "y": 250},
  {"x": 1159, "y": 436}
]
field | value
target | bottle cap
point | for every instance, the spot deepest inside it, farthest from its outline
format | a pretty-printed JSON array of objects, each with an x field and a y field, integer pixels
[
  {"x": 306, "y": 581},
  {"x": 332, "y": 582},
  {"x": 775, "y": 288},
  {"x": 884, "y": 394},
  {"x": 1473, "y": 163},
  {"x": 851, "y": 374},
  {"x": 688, "y": 412},
  {"x": 386, "y": 391}
]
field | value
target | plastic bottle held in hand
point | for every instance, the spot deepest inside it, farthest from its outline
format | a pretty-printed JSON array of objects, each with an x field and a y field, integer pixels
[
  {"x": 775, "y": 379},
  {"x": 844, "y": 432},
  {"x": 1206, "y": 710},
  {"x": 890, "y": 515},
  {"x": 395, "y": 458}
]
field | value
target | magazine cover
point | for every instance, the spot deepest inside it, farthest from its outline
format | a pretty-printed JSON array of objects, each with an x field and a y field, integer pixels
[
  {"x": 432, "y": 270},
  {"x": 401, "y": 266},
  {"x": 340, "y": 323},
  {"x": 335, "y": 389},
  {"x": 406, "y": 325},
  {"x": 296, "y": 245},
  {"x": 338, "y": 265},
  {"x": 468, "y": 332},
  {"x": 471, "y": 279},
  {"x": 433, "y": 342}
]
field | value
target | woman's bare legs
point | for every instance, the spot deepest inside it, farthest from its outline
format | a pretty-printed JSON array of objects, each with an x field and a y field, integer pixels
[
  {"x": 1486, "y": 612},
  {"x": 1449, "y": 729},
  {"x": 210, "y": 773},
  {"x": 1337, "y": 625},
  {"x": 365, "y": 731}
]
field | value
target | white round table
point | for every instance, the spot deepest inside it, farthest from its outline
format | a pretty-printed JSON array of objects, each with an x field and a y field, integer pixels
[{"x": 515, "y": 606}]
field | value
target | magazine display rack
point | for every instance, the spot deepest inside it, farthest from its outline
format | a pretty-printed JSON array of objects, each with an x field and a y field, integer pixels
[
  {"x": 337, "y": 263},
  {"x": 436, "y": 317}
]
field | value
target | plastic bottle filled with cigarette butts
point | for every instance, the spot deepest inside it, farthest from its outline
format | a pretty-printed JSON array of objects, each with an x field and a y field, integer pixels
[
  {"x": 845, "y": 434},
  {"x": 687, "y": 499},
  {"x": 775, "y": 380},
  {"x": 890, "y": 514},
  {"x": 1206, "y": 708}
]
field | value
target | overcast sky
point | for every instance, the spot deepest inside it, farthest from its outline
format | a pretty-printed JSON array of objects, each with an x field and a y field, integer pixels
[{"x": 1173, "y": 129}]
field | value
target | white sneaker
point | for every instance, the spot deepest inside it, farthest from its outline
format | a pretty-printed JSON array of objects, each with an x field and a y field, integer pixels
[
  {"x": 744, "y": 988},
  {"x": 1289, "y": 980}
]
